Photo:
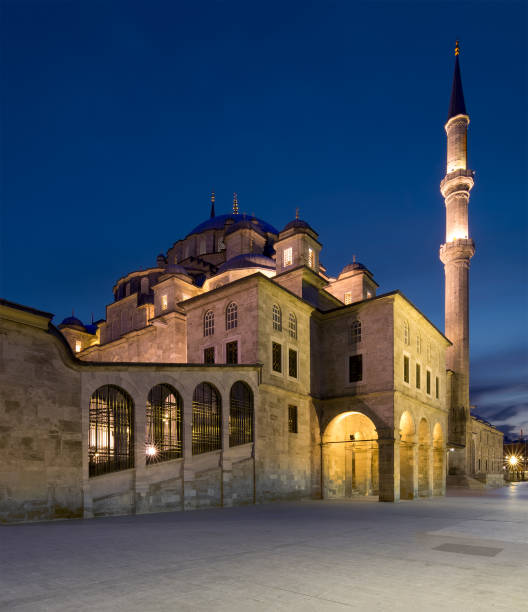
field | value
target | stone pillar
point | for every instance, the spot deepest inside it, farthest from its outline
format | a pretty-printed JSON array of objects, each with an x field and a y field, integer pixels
[
  {"x": 389, "y": 466},
  {"x": 141, "y": 500},
  {"x": 188, "y": 490}
]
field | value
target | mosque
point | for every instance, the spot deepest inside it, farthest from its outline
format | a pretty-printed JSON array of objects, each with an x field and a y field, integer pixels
[{"x": 237, "y": 371}]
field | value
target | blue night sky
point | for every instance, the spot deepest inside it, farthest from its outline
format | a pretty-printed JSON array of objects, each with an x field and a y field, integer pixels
[{"x": 119, "y": 118}]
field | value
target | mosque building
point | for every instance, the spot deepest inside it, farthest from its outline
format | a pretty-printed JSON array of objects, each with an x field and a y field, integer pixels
[{"x": 236, "y": 371}]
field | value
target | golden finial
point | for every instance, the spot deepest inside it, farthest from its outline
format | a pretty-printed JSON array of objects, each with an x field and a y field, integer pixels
[
  {"x": 353, "y": 259},
  {"x": 457, "y": 49},
  {"x": 297, "y": 213},
  {"x": 212, "y": 197},
  {"x": 235, "y": 204}
]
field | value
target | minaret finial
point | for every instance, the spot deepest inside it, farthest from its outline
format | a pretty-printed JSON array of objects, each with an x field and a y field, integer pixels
[
  {"x": 235, "y": 204},
  {"x": 212, "y": 204},
  {"x": 297, "y": 213},
  {"x": 457, "y": 49}
]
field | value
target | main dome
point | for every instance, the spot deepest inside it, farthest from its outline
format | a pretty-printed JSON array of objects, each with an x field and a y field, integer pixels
[{"x": 219, "y": 222}]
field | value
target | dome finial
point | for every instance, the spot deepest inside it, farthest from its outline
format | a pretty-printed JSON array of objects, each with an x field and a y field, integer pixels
[
  {"x": 212, "y": 204},
  {"x": 235, "y": 204},
  {"x": 457, "y": 49},
  {"x": 297, "y": 213}
]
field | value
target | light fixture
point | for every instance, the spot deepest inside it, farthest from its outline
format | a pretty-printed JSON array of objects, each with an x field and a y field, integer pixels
[{"x": 151, "y": 451}]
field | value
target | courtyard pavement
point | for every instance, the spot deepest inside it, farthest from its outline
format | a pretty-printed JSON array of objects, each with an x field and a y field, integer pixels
[{"x": 467, "y": 551}]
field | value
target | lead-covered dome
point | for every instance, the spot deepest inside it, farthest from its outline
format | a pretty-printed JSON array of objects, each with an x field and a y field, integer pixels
[
  {"x": 72, "y": 322},
  {"x": 299, "y": 224},
  {"x": 247, "y": 260},
  {"x": 219, "y": 222}
]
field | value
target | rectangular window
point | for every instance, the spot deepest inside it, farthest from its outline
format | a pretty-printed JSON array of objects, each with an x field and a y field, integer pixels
[
  {"x": 428, "y": 382},
  {"x": 232, "y": 352},
  {"x": 276, "y": 356},
  {"x": 311, "y": 258},
  {"x": 405, "y": 369},
  {"x": 355, "y": 368},
  {"x": 418, "y": 376},
  {"x": 292, "y": 363},
  {"x": 77, "y": 346},
  {"x": 209, "y": 355},
  {"x": 292, "y": 419},
  {"x": 348, "y": 297},
  {"x": 437, "y": 390},
  {"x": 164, "y": 302},
  {"x": 287, "y": 257}
]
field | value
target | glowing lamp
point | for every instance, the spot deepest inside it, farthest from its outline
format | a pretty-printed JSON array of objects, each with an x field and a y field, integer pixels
[
  {"x": 513, "y": 460},
  {"x": 151, "y": 451}
]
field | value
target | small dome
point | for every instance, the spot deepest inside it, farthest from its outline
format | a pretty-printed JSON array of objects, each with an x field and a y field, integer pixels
[
  {"x": 247, "y": 260},
  {"x": 220, "y": 221},
  {"x": 173, "y": 268},
  {"x": 353, "y": 266},
  {"x": 72, "y": 322},
  {"x": 298, "y": 224}
]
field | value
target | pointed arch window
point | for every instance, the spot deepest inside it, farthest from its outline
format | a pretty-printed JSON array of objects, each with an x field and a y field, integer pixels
[
  {"x": 355, "y": 332},
  {"x": 163, "y": 439},
  {"x": 232, "y": 316},
  {"x": 111, "y": 431},
  {"x": 292, "y": 326},
  {"x": 209, "y": 323},
  {"x": 206, "y": 419},
  {"x": 406, "y": 333},
  {"x": 240, "y": 414},
  {"x": 277, "y": 317}
]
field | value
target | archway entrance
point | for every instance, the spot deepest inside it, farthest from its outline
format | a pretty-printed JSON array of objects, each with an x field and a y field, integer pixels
[
  {"x": 424, "y": 447},
  {"x": 438, "y": 460},
  {"x": 407, "y": 445},
  {"x": 350, "y": 457}
]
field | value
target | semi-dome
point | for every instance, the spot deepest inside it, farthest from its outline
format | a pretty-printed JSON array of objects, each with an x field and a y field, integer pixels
[
  {"x": 247, "y": 260},
  {"x": 72, "y": 322},
  {"x": 173, "y": 268},
  {"x": 299, "y": 224},
  {"x": 219, "y": 222}
]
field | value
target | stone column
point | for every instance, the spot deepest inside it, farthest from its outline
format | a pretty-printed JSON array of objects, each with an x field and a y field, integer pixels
[
  {"x": 141, "y": 487},
  {"x": 389, "y": 466}
]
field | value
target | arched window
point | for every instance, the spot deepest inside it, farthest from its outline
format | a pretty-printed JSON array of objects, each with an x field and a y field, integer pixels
[
  {"x": 355, "y": 332},
  {"x": 163, "y": 439},
  {"x": 406, "y": 333},
  {"x": 292, "y": 326},
  {"x": 277, "y": 317},
  {"x": 231, "y": 316},
  {"x": 418, "y": 343},
  {"x": 209, "y": 323},
  {"x": 145, "y": 284},
  {"x": 111, "y": 437},
  {"x": 206, "y": 419},
  {"x": 240, "y": 414}
]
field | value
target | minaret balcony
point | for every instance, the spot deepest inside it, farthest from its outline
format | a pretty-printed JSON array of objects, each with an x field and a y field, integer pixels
[
  {"x": 460, "y": 249},
  {"x": 459, "y": 180}
]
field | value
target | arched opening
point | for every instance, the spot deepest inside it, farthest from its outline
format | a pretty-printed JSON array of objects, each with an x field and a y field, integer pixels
[
  {"x": 438, "y": 460},
  {"x": 240, "y": 414},
  {"x": 350, "y": 457},
  {"x": 424, "y": 447},
  {"x": 111, "y": 437},
  {"x": 407, "y": 432},
  {"x": 206, "y": 419},
  {"x": 163, "y": 439}
]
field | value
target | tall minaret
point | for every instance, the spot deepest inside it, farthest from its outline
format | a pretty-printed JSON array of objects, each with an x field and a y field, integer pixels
[{"x": 455, "y": 255}]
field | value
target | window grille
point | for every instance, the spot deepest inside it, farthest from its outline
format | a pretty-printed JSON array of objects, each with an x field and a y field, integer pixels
[
  {"x": 418, "y": 376},
  {"x": 277, "y": 317},
  {"x": 164, "y": 424},
  {"x": 311, "y": 258},
  {"x": 276, "y": 354},
  {"x": 232, "y": 352},
  {"x": 231, "y": 316},
  {"x": 209, "y": 355},
  {"x": 209, "y": 323},
  {"x": 292, "y": 363},
  {"x": 406, "y": 333},
  {"x": 348, "y": 297},
  {"x": 292, "y": 419},
  {"x": 292, "y": 326},
  {"x": 202, "y": 248},
  {"x": 206, "y": 419},
  {"x": 406, "y": 368},
  {"x": 355, "y": 368},
  {"x": 111, "y": 441},
  {"x": 240, "y": 414},
  {"x": 287, "y": 257},
  {"x": 355, "y": 332}
]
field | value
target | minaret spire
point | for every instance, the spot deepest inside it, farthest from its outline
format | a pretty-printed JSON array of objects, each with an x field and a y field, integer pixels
[
  {"x": 455, "y": 254},
  {"x": 457, "y": 105},
  {"x": 212, "y": 204}
]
